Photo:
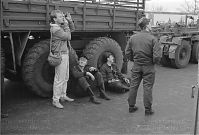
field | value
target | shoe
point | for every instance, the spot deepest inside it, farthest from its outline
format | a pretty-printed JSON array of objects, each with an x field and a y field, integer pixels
[
  {"x": 57, "y": 104},
  {"x": 104, "y": 96},
  {"x": 66, "y": 98},
  {"x": 133, "y": 109},
  {"x": 149, "y": 112},
  {"x": 127, "y": 90},
  {"x": 94, "y": 100}
]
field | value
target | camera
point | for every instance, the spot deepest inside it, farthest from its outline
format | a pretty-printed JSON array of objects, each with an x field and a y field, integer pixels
[
  {"x": 94, "y": 71},
  {"x": 66, "y": 14}
]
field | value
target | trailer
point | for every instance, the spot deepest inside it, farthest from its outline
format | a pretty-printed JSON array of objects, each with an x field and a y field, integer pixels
[
  {"x": 180, "y": 45},
  {"x": 101, "y": 26}
]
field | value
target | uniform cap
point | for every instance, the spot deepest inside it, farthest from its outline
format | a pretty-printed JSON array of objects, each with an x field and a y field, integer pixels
[{"x": 143, "y": 21}]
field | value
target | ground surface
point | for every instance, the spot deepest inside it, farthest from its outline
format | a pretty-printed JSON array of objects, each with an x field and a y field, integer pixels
[{"x": 174, "y": 110}]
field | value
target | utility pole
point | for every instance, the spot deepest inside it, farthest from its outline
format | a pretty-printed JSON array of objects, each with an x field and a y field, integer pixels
[{"x": 196, "y": 103}]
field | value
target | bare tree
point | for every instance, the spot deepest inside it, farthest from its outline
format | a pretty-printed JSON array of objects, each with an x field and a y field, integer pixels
[
  {"x": 190, "y": 6},
  {"x": 156, "y": 8}
]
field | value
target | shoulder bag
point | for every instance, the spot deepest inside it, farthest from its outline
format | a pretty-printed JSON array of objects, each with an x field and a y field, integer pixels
[{"x": 54, "y": 59}]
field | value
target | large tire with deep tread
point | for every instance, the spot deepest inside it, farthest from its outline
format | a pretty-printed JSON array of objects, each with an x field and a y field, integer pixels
[
  {"x": 73, "y": 58},
  {"x": 195, "y": 52},
  {"x": 96, "y": 50},
  {"x": 182, "y": 55},
  {"x": 16, "y": 77},
  {"x": 37, "y": 74}
]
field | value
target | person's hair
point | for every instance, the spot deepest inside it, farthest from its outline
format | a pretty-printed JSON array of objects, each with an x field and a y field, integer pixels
[
  {"x": 83, "y": 58},
  {"x": 53, "y": 14},
  {"x": 142, "y": 26},
  {"x": 107, "y": 55},
  {"x": 143, "y": 22}
]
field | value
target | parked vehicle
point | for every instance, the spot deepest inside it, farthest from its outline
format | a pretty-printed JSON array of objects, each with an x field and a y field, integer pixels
[
  {"x": 179, "y": 44},
  {"x": 100, "y": 27}
]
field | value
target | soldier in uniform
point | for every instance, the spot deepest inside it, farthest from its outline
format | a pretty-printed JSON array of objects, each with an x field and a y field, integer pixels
[
  {"x": 144, "y": 50},
  {"x": 85, "y": 76},
  {"x": 112, "y": 76}
]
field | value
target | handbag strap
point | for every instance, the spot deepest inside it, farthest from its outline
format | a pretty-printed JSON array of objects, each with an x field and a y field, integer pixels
[
  {"x": 68, "y": 45},
  {"x": 50, "y": 41},
  {"x": 51, "y": 36}
]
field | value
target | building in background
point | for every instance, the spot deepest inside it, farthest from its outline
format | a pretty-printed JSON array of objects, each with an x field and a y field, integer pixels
[{"x": 169, "y": 17}]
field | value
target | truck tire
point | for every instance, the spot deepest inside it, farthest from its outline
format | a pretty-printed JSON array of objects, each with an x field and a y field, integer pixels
[
  {"x": 37, "y": 74},
  {"x": 96, "y": 50},
  {"x": 182, "y": 56},
  {"x": 194, "y": 53},
  {"x": 73, "y": 58},
  {"x": 16, "y": 77}
]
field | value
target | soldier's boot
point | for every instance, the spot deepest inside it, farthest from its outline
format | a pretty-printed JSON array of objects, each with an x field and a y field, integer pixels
[
  {"x": 92, "y": 96},
  {"x": 103, "y": 94},
  {"x": 149, "y": 111},
  {"x": 133, "y": 109}
]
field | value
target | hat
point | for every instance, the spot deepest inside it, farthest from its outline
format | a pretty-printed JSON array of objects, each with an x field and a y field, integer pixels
[{"x": 143, "y": 21}]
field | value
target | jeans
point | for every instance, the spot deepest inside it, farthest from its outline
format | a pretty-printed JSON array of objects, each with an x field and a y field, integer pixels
[{"x": 61, "y": 78}]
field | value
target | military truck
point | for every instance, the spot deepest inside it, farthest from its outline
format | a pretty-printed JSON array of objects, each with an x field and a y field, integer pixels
[
  {"x": 180, "y": 45},
  {"x": 101, "y": 26}
]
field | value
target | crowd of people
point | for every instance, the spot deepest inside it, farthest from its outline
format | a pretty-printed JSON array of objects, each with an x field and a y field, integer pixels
[{"x": 142, "y": 48}]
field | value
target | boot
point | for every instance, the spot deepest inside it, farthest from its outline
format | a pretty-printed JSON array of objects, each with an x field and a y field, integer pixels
[
  {"x": 133, "y": 109},
  {"x": 94, "y": 100},
  {"x": 103, "y": 94},
  {"x": 149, "y": 111},
  {"x": 92, "y": 96}
]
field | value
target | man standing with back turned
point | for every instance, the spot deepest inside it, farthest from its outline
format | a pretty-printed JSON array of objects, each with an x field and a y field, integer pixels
[{"x": 144, "y": 51}]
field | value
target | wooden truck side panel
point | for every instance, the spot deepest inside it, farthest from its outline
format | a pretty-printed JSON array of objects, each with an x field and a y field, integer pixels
[{"x": 34, "y": 15}]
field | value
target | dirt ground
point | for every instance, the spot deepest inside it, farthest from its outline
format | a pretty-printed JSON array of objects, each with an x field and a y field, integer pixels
[{"x": 173, "y": 105}]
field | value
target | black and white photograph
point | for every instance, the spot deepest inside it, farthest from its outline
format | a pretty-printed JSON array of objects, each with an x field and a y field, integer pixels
[{"x": 99, "y": 67}]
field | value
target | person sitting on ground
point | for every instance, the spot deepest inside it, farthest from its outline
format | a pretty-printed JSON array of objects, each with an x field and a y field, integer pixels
[
  {"x": 86, "y": 76},
  {"x": 112, "y": 76}
]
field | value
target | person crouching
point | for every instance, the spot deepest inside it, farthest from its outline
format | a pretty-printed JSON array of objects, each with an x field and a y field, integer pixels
[{"x": 86, "y": 76}]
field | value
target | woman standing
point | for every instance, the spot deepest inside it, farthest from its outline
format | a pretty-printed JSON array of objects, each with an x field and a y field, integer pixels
[{"x": 61, "y": 28}]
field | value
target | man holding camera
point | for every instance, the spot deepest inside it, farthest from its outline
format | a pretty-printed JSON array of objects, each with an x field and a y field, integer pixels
[{"x": 87, "y": 76}]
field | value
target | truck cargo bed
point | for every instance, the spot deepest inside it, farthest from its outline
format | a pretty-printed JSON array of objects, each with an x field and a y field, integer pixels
[{"x": 34, "y": 15}]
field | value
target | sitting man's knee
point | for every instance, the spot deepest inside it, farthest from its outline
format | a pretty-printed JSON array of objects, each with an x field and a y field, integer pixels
[
  {"x": 82, "y": 79},
  {"x": 98, "y": 74}
]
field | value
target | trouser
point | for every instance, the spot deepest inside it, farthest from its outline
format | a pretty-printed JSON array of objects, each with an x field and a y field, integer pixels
[
  {"x": 61, "y": 78},
  {"x": 117, "y": 86},
  {"x": 147, "y": 73},
  {"x": 85, "y": 82}
]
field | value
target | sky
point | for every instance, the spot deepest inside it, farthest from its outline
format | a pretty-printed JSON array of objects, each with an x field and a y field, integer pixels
[{"x": 168, "y": 5}]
